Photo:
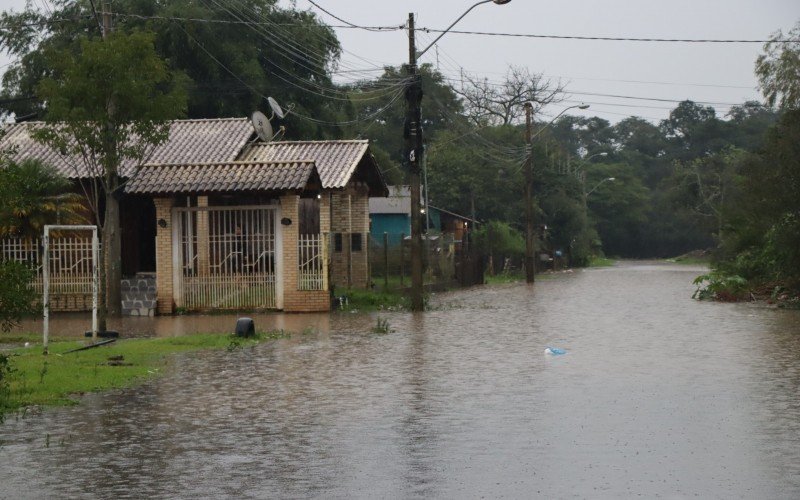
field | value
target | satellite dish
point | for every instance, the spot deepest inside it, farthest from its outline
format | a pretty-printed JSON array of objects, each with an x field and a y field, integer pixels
[
  {"x": 276, "y": 108},
  {"x": 262, "y": 126}
]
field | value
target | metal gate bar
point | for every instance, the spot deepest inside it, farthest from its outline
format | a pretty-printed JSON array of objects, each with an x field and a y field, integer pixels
[{"x": 227, "y": 257}]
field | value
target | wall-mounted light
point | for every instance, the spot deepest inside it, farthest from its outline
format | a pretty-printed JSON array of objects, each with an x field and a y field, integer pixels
[
  {"x": 162, "y": 223},
  {"x": 286, "y": 221}
]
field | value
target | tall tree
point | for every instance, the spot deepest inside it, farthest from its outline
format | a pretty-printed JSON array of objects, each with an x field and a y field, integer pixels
[
  {"x": 778, "y": 69},
  {"x": 492, "y": 103},
  {"x": 109, "y": 103},
  {"x": 254, "y": 48}
]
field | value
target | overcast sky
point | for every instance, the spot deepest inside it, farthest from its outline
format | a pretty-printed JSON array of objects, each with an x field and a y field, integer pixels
[{"x": 708, "y": 72}]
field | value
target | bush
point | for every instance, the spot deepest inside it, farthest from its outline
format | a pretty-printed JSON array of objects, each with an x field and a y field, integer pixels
[
  {"x": 16, "y": 294},
  {"x": 718, "y": 286}
]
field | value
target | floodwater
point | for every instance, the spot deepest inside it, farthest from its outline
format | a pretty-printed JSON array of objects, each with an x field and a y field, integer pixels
[{"x": 657, "y": 396}]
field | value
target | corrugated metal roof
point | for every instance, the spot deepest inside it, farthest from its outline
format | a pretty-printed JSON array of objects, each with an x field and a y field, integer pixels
[
  {"x": 221, "y": 177},
  {"x": 336, "y": 160},
  {"x": 190, "y": 141}
]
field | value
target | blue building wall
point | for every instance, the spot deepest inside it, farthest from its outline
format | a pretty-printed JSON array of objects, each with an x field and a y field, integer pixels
[{"x": 394, "y": 224}]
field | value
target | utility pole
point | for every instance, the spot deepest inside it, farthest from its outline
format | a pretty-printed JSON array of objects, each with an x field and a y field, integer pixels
[
  {"x": 414, "y": 153},
  {"x": 530, "y": 262},
  {"x": 106, "y": 19}
]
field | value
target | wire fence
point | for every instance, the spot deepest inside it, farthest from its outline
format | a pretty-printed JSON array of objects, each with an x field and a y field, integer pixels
[{"x": 446, "y": 261}]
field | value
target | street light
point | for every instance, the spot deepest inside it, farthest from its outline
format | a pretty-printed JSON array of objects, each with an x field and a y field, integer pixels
[
  {"x": 530, "y": 263},
  {"x": 604, "y": 153},
  {"x": 414, "y": 148},
  {"x": 607, "y": 179}
]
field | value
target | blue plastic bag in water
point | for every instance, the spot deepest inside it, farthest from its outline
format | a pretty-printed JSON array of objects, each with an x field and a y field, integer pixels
[{"x": 554, "y": 351}]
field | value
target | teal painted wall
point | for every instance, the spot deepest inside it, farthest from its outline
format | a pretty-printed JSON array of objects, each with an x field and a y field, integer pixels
[{"x": 393, "y": 224}]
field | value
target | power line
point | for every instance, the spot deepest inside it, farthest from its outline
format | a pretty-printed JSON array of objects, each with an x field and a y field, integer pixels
[
  {"x": 609, "y": 38},
  {"x": 339, "y": 18}
]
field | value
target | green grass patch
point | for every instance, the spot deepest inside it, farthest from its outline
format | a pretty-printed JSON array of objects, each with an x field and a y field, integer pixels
[
  {"x": 374, "y": 300},
  {"x": 36, "y": 379},
  {"x": 601, "y": 262}
]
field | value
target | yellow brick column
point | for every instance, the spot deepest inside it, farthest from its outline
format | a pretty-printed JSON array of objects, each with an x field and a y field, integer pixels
[
  {"x": 360, "y": 224},
  {"x": 290, "y": 207},
  {"x": 164, "y": 263},
  {"x": 203, "y": 267},
  {"x": 325, "y": 230}
]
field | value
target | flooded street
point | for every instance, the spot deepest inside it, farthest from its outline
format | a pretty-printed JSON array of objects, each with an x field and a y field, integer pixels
[{"x": 657, "y": 396}]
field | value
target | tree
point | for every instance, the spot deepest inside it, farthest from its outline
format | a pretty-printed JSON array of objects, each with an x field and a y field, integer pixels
[
  {"x": 33, "y": 194},
  {"x": 16, "y": 294},
  {"x": 254, "y": 49},
  {"x": 502, "y": 104},
  {"x": 109, "y": 103},
  {"x": 778, "y": 69}
]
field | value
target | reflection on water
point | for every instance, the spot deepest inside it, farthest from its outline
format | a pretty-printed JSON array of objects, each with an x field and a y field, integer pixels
[{"x": 658, "y": 395}]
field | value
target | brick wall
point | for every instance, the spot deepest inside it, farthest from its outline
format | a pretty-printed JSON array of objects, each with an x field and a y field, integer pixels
[
  {"x": 359, "y": 261},
  {"x": 164, "y": 282},
  {"x": 340, "y": 223},
  {"x": 70, "y": 303},
  {"x": 295, "y": 300}
]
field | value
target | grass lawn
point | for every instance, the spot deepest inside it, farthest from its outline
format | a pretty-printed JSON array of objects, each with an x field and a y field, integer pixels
[
  {"x": 35, "y": 379},
  {"x": 601, "y": 262}
]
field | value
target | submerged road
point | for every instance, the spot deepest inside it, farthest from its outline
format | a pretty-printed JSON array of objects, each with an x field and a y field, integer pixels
[{"x": 657, "y": 396}]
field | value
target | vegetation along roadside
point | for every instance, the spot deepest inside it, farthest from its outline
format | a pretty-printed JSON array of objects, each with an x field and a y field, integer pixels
[{"x": 27, "y": 378}]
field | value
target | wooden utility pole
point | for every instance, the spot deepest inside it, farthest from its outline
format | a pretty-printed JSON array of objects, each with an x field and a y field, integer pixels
[
  {"x": 530, "y": 262},
  {"x": 414, "y": 153},
  {"x": 112, "y": 237}
]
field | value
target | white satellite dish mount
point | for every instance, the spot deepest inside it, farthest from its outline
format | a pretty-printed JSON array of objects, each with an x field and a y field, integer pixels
[{"x": 263, "y": 125}]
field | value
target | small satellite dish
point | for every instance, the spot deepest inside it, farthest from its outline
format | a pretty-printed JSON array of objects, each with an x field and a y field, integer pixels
[
  {"x": 262, "y": 126},
  {"x": 276, "y": 108}
]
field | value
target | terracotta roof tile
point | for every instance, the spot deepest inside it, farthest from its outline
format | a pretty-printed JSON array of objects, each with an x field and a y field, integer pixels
[
  {"x": 335, "y": 160},
  {"x": 221, "y": 177},
  {"x": 190, "y": 141}
]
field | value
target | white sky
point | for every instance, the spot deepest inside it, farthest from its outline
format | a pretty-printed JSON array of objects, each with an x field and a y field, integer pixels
[{"x": 707, "y": 72}]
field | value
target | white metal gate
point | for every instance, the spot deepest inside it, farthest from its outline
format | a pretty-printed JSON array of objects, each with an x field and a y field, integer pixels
[{"x": 227, "y": 257}]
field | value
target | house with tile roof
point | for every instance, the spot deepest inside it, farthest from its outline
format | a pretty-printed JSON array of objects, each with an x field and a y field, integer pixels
[{"x": 229, "y": 222}]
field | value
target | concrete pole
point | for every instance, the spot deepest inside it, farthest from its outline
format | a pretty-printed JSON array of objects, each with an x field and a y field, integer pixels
[
  {"x": 530, "y": 262},
  {"x": 415, "y": 151}
]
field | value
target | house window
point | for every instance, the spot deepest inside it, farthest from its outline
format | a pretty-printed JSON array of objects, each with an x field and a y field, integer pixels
[
  {"x": 337, "y": 242},
  {"x": 355, "y": 242}
]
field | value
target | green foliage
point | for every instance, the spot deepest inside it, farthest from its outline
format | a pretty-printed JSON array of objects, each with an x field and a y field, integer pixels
[
  {"x": 16, "y": 294},
  {"x": 32, "y": 195},
  {"x": 6, "y": 371},
  {"x": 54, "y": 379},
  {"x": 500, "y": 238},
  {"x": 719, "y": 286},
  {"x": 374, "y": 300},
  {"x": 260, "y": 59},
  {"x": 778, "y": 69},
  {"x": 110, "y": 101}
]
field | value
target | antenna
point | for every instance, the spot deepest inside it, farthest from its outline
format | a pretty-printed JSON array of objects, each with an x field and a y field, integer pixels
[
  {"x": 276, "y": 108},
  {"x": 262, "y": 126}
]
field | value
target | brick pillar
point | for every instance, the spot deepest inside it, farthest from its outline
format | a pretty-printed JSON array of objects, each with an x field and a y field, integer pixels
[
  {"x": 203, "y": 267},
  {"x": 290, "y": 207},
  {"x": 360, "y": 225},
  {"x": 325, "y": 213},
  {"x": 164, "y": 262}
]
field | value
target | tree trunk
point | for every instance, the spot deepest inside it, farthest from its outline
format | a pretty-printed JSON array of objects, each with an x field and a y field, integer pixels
[{"x": 112, "y": 255}]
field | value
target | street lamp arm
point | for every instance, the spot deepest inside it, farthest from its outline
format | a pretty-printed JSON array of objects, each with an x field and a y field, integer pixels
[
  {"x": 598, "y": 185},
  {"x": 443, "y": 33},
  {"x": 580, "y": 106}
]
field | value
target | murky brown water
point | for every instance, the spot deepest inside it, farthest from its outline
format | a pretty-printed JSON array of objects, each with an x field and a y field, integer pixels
[{"x": 658, "y": 396}]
